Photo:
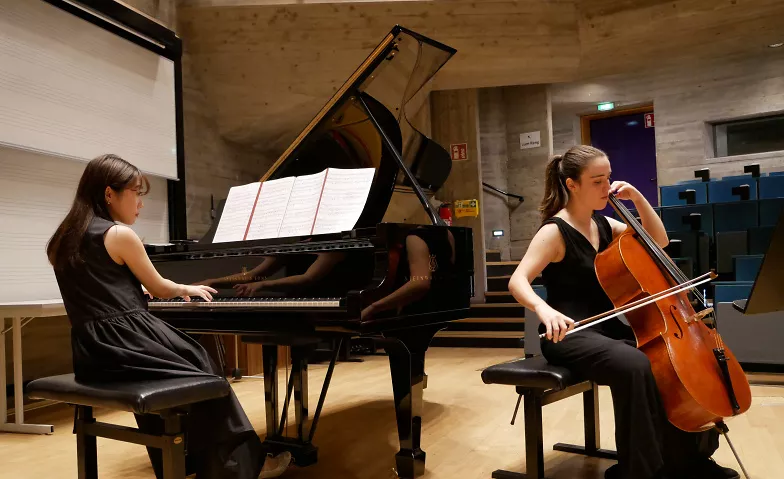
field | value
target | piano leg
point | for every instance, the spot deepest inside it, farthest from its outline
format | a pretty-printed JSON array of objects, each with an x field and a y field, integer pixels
[
  {"x": 406, "y": 350},
  {"x": 270, "y": 357},
  {"x": 299, "y": 375}
]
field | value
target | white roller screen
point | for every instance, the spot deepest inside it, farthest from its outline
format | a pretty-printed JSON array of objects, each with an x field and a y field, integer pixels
[
  {"x": 70, "y": 88},
  {"x": 36, "y": 192}
]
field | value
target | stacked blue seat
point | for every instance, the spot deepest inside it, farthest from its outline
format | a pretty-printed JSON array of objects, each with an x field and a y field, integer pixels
[
  {"x": 770, "y": 211},
  {"x": 679, "y": 218},
  {"x": 737, "y": 216},
  {"x": 747, "y": 266},
  {"x": 540, "y": 291},
  {"x": 722, "y": 191},
  {"x": 674, "y": 194},
  {"x": 759, "y": 239},
  {"x": 729, "y": 291},
  {"x": 771, "y": 187}
]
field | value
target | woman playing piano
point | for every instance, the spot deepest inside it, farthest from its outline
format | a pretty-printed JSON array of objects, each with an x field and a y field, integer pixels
[
  {"x": 100, "y": 267},
  {"x": 577, "y": 184}
]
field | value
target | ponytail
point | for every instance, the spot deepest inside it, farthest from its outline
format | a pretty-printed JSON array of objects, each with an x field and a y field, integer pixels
[
  {"x": 559, "y": 168},
  {"x": 555, "y": 194}
]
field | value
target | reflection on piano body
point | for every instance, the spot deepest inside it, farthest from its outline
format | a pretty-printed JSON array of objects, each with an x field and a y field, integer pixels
[{"x": 398, "y": 283}]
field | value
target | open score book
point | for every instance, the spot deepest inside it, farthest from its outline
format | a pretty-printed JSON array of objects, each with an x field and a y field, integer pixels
[{"x": 326, "y": 202}]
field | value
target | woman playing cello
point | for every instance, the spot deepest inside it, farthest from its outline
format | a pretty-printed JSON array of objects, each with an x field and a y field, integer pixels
[{"x": 577, "y": 184}]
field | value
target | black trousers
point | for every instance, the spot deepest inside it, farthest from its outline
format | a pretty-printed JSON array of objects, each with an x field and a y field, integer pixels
[{"x": 646, "y": 441}]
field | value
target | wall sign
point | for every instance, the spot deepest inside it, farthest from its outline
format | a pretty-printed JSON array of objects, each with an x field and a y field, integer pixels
[
  {"x": 531, "y": 139},
  {"x": 649, "y": 120},
  {"x": 459, "y": 151},
  {"x": 466, "y": 208}
]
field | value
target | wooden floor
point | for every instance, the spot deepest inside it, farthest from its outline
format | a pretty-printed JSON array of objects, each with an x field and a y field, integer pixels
[{"x": 466, "y": 431}]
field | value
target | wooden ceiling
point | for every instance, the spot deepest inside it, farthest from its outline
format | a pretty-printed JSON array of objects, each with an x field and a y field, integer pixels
[{"x": 267, "y": 66}]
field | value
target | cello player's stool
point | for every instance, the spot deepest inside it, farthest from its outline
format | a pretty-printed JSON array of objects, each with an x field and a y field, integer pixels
[
  {"x": 168, "y": 398},
  {"x": 540, "y": 384}
]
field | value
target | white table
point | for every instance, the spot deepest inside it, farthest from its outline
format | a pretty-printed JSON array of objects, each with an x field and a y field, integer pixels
[{"x": 21, "y": 313}]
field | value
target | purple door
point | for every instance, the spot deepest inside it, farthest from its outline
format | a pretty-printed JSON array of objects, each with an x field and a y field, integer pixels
[{"x": 631, "y": 148}]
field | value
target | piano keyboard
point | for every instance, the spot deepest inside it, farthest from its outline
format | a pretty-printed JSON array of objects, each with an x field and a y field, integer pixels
[{"x": 251, "y": 303}]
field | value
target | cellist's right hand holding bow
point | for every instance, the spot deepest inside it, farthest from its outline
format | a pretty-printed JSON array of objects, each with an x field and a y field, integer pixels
[{"x": 556, "y": 323}]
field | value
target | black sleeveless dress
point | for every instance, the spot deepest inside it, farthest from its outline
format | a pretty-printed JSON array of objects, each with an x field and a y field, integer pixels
[
  {"x": 607, "y": 354},
  {"x": 115, "y": 338}
]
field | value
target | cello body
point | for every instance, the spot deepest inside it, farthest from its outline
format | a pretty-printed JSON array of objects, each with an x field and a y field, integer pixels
[{"x": 680, "y": 346}]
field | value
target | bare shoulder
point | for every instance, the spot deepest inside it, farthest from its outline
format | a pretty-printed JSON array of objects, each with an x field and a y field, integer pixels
[
  {"x": 119, "y": 240},
  {"x": 549, "y": 243}
]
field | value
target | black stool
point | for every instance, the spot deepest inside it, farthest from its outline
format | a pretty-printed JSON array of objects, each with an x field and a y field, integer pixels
[
  {"x": 167, "y": 398},
  {"x": 540, "y": 384}
]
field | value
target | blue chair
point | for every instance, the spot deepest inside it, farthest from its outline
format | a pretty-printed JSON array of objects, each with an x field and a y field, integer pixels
[
  {"x": 729, "y": 291},
  {"x": 540, "y": 291},
  {"x": 771, "y": 187},
  {"x": 722, "y": 191},
  {"x": 770, "y": 211},
  {"x": 677, "y": 194},
  {"x": 777, "y": 173},
  {"x": 747, "y": 266},
  {"x": 679, "y": 218},
  {"x": 759, "y": 239},
  {"x": 738, "y": 216}
]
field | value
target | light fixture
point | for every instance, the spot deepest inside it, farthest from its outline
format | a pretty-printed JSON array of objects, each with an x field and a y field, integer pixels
[
  {"x": 776, "y": 45},
  {"x": 606, "y": 106},
  {"x": 497, "y": 233}
]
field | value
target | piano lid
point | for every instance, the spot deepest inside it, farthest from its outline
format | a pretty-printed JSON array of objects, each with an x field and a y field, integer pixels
[{"x": 341, "y": 135}]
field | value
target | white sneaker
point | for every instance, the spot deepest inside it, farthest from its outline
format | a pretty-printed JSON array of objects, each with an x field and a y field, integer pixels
[{"x": 283, "y": 460}]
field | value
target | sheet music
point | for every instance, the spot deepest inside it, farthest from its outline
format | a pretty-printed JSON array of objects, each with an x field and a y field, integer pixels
[
  {"x": 343, "y": 199},
  {"x": 303, "y": 203},
  {"x": 236, "y": 213},
  {"x": 270, "y": 208}
]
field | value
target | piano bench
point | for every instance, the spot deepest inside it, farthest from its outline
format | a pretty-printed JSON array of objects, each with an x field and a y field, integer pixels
[
  {"x": 540, "y": 384},
  {"x": 168, "y": 398}
]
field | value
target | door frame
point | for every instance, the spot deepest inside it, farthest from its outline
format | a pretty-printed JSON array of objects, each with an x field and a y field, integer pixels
[{"x": 585, "y": 120}]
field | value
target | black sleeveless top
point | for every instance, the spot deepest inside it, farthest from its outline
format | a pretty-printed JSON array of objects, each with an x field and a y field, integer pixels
[
  {"x": 572, "y": 286},
  {"x": 98, "y": 288}
]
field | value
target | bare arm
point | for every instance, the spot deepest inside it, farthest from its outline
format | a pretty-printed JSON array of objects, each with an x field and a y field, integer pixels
[
  {"x": 125, "y": 247},
  {"x": 650, "y": 220},
  {"x": 546, "y": 247},
  {"x": 418, "y": 284}
]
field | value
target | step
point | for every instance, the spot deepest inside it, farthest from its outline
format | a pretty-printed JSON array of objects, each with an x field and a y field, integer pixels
[
  {"x": 498, "y": 283},
  {"x": 496, "y": 297},
  {"x": 476, "y": 339},
  {"x": 501, "y": 268},
  {"x": 488, "y": 325},
  {"x": 492, "y": 255},
  {"x": 497, "y": 310}
]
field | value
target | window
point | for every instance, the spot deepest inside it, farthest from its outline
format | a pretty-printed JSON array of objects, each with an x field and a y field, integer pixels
[{"x": 744, "y": 137}]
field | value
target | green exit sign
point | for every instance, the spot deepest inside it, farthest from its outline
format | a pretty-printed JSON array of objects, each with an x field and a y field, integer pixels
[{"x": 606, "y": 106}]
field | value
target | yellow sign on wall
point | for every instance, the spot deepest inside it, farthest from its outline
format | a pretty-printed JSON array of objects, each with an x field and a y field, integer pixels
[{"x": 466, "y": 208}]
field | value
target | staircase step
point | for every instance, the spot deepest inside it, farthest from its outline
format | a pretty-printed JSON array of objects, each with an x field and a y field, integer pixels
[
  {"x": 501, "y": 268},
  {"x": 477, "y": 339},
  {"x": 497, "y": 310},
  {"x": 480, "y": 325},
  {"x": 492, "y": 255},
  {"x": 498, "y": 283},
  {"x": 496, "y": 297}
]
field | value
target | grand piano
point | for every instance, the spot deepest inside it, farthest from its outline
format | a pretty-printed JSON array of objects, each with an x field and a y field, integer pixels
[{"x": 366, "y": 282}]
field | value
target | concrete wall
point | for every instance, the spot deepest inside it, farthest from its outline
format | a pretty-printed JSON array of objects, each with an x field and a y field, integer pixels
[{"x": 685, "y": 99}]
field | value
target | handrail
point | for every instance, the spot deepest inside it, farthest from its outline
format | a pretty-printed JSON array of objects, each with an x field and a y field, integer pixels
[{"x": 519, "y": 198}]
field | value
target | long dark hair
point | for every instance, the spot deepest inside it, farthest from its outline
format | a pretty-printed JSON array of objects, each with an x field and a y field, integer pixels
[
  {"x": 559, "y": 168},
  {"x": 65, "y": 245}
]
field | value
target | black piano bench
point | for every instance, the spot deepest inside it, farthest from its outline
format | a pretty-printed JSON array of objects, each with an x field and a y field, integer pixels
[
  {"x": 168, "y": 398},
  {"x": 540, "y": 384}
]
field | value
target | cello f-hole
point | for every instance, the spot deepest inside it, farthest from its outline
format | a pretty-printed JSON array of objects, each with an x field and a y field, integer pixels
[{"x": 673, "y": 313}]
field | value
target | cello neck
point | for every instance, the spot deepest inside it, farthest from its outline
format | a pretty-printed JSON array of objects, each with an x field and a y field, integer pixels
[{"x": 648, "y": 242}]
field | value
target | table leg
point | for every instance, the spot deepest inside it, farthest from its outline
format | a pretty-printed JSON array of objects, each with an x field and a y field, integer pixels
[
  {"x": 3, "y": 383},
  {"x": 19, "y": 425}
]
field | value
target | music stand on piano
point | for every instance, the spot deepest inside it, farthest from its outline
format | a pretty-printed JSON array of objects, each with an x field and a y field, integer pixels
[{"x": 765, "y": 296}]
